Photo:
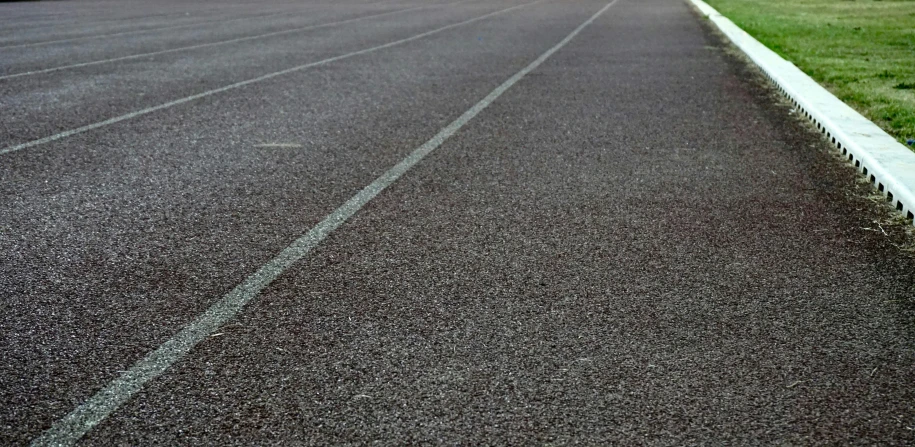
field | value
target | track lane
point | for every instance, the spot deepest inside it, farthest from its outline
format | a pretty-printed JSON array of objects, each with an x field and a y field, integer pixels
[
  {"x": 257, "y": 33},
  {"x": 580, "y": 265},
  {"x": 100, "y": 97},
  {"x": 609, "y": 255},
  {"x": 35, "y": 34},
  {"x": 26, "y": 33},
  {"x": 172, "y": 212},
  {"x": 99, "y": 407}
]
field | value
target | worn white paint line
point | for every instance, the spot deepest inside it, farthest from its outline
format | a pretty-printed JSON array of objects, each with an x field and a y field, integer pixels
[
  {"x": 72, "y": 427},
  {"x": 279, "y": 145},
  {"x": 221, "y": 42},
  {"x": 236, "y": 85},
  {"x": 183, "y": 25},
  {"x": 884, "y": 161},
  {"x": 141, "y": 31}
]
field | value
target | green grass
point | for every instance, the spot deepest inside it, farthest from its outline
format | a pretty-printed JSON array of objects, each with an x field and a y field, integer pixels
[{"x": 863, "y": 51}]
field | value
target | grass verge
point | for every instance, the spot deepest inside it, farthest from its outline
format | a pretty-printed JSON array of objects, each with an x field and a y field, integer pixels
[{"x": 863, "y": 51}]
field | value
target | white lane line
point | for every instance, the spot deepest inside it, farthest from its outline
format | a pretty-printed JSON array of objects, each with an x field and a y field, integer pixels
[
  {"x": 77, "y": 16},
  {"x": 265, "y": 77},
  {"x": 279, "y": 145},
  {"x": 183, "y": 25},
  {"x": 221, "y": 42},
  {"x": 73, "y": 426},
  {"x": 140, "y": 31}
]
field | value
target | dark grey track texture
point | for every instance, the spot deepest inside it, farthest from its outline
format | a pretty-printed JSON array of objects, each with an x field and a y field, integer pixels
[{"x": 635, "y": 245}]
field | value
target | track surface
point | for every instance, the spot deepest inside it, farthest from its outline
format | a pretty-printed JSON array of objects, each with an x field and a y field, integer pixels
[{"x": 634, "y": 244}]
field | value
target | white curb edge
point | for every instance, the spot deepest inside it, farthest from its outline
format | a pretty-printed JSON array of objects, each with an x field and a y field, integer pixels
[{"x": 889, "y": 165}]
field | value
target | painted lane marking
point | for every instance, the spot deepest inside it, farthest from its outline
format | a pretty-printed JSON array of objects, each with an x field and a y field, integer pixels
[
  {"x": 183, "y": 25},
  {"x": 279, "y": 145},
  {"x": 221, "y": 42},
  {"x": 265, "y": 77},
  {"x": 140, "y": 31},
  {"x": 73, "y": 426}
]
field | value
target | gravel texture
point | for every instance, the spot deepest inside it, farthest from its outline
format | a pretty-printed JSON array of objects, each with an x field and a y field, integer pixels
[{"x": 636, "y": 244}]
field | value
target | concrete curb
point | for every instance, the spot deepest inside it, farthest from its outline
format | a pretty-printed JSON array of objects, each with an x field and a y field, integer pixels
[{"x": 889, "y": 165}]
